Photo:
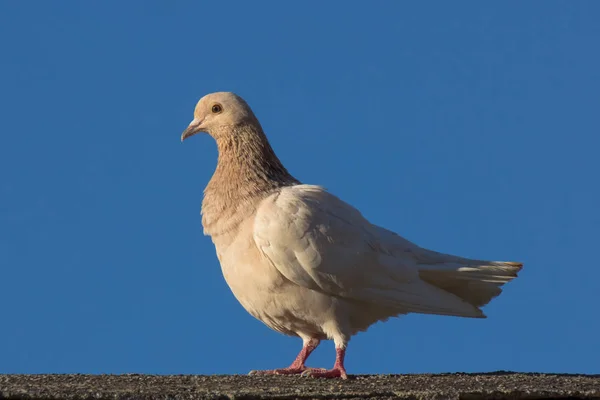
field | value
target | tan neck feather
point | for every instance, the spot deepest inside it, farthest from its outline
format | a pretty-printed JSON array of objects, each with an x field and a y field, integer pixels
[{"x": 247, "y": 171}]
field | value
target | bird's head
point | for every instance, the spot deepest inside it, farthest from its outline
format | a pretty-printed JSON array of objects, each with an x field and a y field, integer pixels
[{"x": 216, "y": 111}]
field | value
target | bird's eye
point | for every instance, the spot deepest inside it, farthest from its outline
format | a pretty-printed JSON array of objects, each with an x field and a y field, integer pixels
[{"x": 217, "y": 108}]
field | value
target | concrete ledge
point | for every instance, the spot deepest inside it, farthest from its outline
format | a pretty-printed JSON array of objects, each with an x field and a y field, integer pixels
[{"x": 497, "y": 385}]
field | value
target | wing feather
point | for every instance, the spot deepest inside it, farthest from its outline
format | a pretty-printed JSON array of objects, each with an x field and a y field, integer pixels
[{"x": 320, "y": 242}]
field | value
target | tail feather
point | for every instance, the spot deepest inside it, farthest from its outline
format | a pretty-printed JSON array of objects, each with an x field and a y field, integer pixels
[{"x": 474, "y": 281}]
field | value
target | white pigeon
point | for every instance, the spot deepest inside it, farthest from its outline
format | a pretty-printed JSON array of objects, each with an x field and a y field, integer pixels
[{"x": 308, "y": 264}]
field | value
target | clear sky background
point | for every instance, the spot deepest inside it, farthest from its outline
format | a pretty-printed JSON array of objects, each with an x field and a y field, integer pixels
[{"x": 468, "y": 127}]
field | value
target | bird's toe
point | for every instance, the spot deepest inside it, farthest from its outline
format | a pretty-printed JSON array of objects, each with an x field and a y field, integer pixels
[{"x": 326, "y": 373}]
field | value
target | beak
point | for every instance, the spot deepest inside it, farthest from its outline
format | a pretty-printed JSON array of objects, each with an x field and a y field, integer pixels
[{"x": 193, "y": 128}]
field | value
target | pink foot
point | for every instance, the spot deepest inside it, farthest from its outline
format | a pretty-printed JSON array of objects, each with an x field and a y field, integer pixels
[
  {"x": 297, "y": 366},
  {"x": 336, "y": 372}
]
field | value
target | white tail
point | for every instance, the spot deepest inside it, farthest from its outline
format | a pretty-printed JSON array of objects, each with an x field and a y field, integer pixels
[{"x": 476, "y": 282}]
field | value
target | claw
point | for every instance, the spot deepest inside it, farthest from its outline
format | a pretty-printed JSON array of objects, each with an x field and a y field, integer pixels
[
  {"x": 310, "y": 371},
  {"x": 336, "y": 372},
  {"x": 280, "y": 371}
]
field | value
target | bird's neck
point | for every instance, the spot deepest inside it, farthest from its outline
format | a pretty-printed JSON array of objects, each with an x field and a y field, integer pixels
[
  {"x": 247, "y": 171},
  {"x": 247, "y": 158}
]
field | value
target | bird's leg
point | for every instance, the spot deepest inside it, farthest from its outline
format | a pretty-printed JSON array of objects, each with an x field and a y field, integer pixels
[
  {"x": 338, "y": 370},
  {"x": 297, "y": 367}
]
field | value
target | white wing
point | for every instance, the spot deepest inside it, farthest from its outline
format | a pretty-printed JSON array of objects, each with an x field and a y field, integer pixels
[{"x": 320, "y": 242}]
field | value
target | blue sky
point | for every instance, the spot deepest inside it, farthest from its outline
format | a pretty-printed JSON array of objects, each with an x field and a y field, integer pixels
[{"x": 467, "y": 127}]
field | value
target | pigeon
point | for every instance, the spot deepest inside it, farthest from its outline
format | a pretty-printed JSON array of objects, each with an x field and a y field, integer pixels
[{"x": 308, "y": 264}]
